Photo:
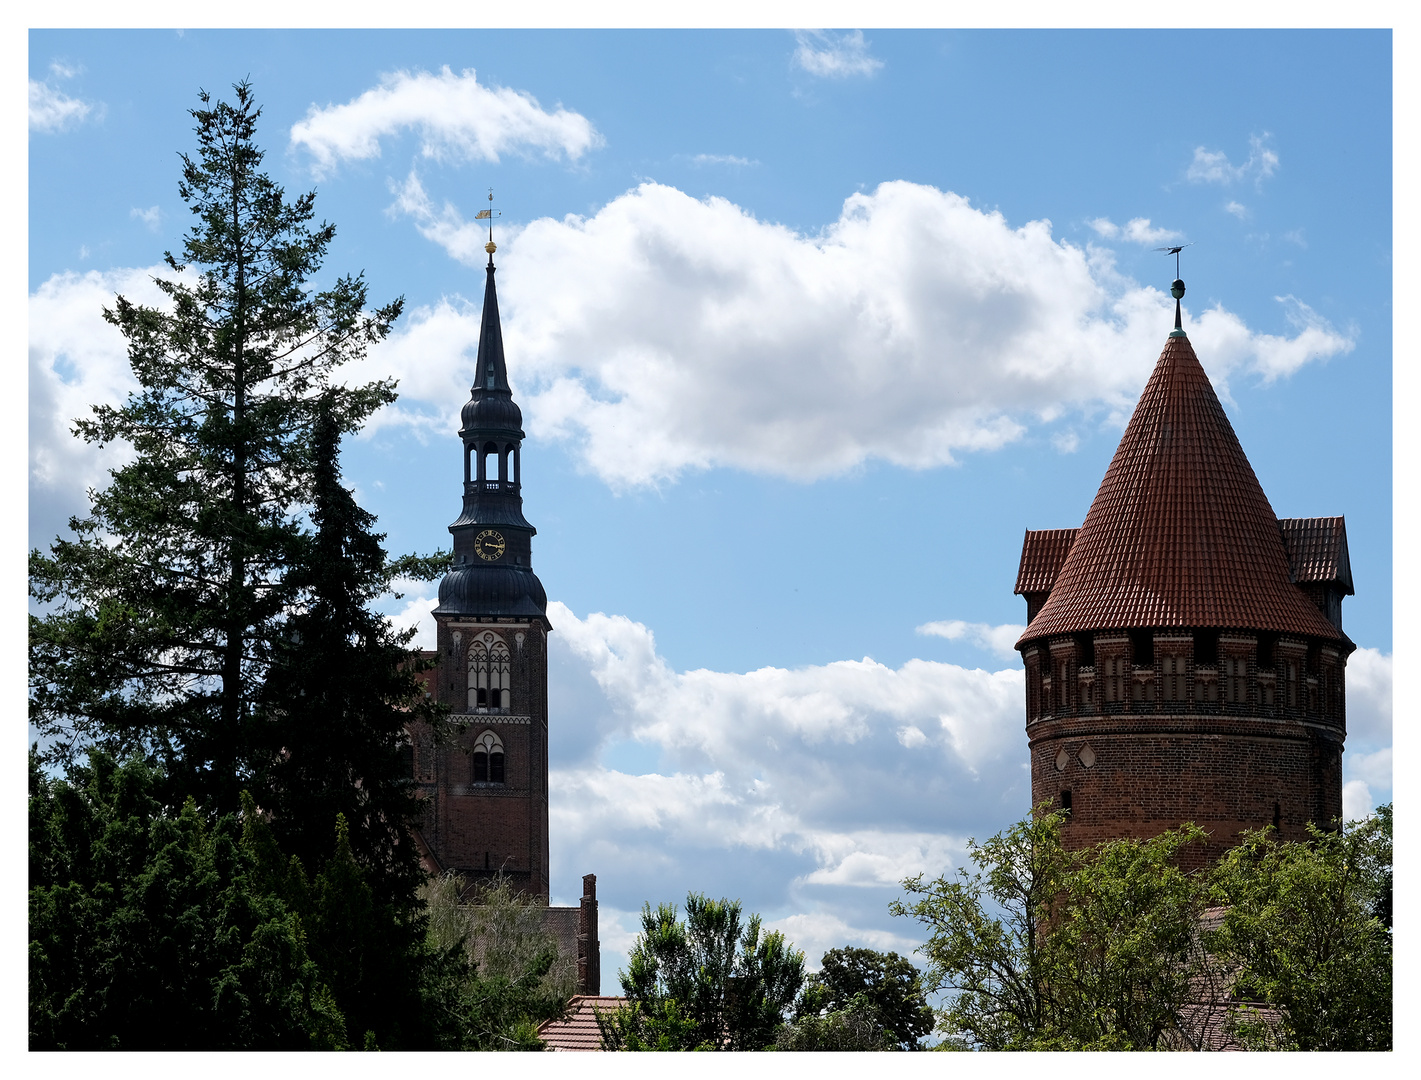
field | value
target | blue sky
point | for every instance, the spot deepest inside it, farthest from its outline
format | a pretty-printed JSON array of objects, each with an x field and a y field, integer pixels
[{"x": 807, "y": 329}]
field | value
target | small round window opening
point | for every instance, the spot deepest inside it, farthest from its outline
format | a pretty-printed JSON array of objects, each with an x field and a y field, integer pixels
[{"x": 488, "y": 759}]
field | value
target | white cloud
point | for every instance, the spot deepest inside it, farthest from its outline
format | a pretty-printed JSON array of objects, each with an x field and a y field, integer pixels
[
  {"x": 456, "y": 117},
  {"x": 62, "y": 70},
  {"x": 1136, "y": 230},
  {"x": 444, "y": 225},
  {"x": 809, "y": 793},
  {"x": 998, "y": 639},
  {"x": 1295, "y": 236},
  {"x": 417, "y": 612},
  {"x": 76, "y": 360},
  {"x": 1369, "y": 679},
  {"x": 152, "y": 217},
  {"x": 1356, "y": 800},
  {"x": 912, "y": 329},
  {"x": 1237, "y": 209},
  {"x": 833, "y": 56},
  {"x": 721, "y": 159},
  {"x": 1214, "y": 167},
  {"x": 53, "y": 110}
]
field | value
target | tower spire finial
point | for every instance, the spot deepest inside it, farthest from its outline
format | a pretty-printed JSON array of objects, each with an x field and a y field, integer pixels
[
  {"x": 490, "y": 213},
  {"x": 1176, "y": 288}
]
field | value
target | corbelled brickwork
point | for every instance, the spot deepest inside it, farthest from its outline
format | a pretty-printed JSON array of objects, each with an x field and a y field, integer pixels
[{"x": 1185, "y": 659}]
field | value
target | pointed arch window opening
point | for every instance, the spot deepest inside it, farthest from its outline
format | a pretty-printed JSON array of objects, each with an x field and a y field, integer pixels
[
  {"x": 490, "y": 675},
  {"x": 488, "y": 759}
]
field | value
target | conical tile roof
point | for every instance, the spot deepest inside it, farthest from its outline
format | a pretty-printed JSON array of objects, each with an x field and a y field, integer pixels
[{"x": 1180, "y": 532}]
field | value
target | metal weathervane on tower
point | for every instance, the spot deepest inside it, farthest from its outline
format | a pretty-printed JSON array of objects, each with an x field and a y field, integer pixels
[
  {"x": 490, "y": 213},
  {"x": 1176, "y": 288}
]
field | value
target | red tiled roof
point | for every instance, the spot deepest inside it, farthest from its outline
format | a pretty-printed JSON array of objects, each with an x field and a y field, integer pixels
[
  {"x": 1180, "y": 532},
  {"x": 1317, "y": 550},
  {"x": 579, "y": 1031},
  {"x": 1042, "y": 553}
]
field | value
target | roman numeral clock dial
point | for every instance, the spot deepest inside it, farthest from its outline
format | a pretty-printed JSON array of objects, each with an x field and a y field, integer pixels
[{"x": 489, "y": 545}]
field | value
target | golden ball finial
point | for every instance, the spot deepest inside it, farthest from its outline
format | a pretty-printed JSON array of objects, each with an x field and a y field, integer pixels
[{"x": 490, "y": 247}]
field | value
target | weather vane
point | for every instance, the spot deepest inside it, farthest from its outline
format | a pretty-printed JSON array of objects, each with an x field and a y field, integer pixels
[
  {"x": 490, "y": 213},
  {"x": 1176, "y": 288}
]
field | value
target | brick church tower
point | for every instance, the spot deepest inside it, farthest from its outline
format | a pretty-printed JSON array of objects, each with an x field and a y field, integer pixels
[
  {"x": 486, "y": 794},
  {"x": 1184, "y": 656}
]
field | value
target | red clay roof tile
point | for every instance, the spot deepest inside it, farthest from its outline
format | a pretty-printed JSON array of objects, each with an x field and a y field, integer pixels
[
  {"x": 1180, "y": 532},
  {"x": 579, "y": 1031},
  {"x": 1042, "y": 553},
  {"x": 1317, "y": 550}
]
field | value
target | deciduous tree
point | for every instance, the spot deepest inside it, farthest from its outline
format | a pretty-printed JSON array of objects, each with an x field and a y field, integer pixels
[{"x": 707, "y": 983}]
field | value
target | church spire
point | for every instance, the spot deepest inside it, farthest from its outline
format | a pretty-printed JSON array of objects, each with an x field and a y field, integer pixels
[{"x": 491, "y": 370}]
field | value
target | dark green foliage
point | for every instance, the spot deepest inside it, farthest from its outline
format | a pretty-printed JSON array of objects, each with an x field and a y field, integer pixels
[
  {"x": 862, "y": 999},
  {"x": 148, "y": 930},
  {"x": 166, "y": 608},
  {"x": 1303, "y": 933},
  {"x": 152, "y": 928},
  {"x": 339, "y": 691},
  {"x": 729, "y": 984}
]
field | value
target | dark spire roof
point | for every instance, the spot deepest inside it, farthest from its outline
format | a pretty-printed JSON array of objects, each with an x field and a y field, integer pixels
[
  {"x": 491, "y": 340},
  {"x": 1180, "y": 532},
  {"x": 490, "y": 406}
]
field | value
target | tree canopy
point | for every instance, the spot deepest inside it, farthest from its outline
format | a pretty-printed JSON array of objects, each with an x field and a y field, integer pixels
[
  {"x": 1116, "y": 948},
  {"x": 709, "y": 983}
]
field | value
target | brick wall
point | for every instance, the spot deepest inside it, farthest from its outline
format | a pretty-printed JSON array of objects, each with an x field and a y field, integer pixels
[{"x": 1145, "y": 731}]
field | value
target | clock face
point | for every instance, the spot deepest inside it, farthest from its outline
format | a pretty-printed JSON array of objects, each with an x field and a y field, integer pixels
[{"x": 489, "y": 545}]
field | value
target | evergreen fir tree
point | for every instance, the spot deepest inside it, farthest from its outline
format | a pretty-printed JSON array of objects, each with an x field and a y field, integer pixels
[{"x": 164, "y": 612}]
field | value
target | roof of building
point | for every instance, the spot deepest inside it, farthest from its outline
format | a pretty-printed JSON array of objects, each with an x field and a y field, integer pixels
[
  {"x": 1317, "y": 550},
  {"x": 579, "y": 1031},
  {"x": 1042, "y": 553},
  {"x": 1180, "y": 532}
]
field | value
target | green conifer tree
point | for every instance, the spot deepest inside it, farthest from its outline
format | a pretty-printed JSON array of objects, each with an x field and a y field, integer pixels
[{"x": 162, "y": 615}]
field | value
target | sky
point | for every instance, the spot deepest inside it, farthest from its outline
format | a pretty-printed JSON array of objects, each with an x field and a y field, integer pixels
[{"x": 807, "y": 328}]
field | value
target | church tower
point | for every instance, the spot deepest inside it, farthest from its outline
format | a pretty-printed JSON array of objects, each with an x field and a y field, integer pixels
[
  {"x": 1184, "y": 656},
  {"x": 486, "y": 793}
]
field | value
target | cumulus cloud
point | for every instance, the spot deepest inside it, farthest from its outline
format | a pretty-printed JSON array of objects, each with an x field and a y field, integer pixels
[
  {"x": 811, "y": 791},
  {"x": 1237, "y": 209},
  {"x": 997, "y": 639},
  {"x": 1136, "y": 230},
  {"x": 1369, "y": 679},
  {"x": 834, "y": 56},
  {"x": 666, "y": 333},
  {"x": 1226, "y": 344},
  {"x": 456, "y": 117},
  {"x": 1214, "y": 167},
  {"x": 52, "y": 110}
]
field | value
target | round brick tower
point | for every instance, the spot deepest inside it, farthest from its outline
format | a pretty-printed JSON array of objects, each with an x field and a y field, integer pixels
[{"x": 1184, "y": 655}]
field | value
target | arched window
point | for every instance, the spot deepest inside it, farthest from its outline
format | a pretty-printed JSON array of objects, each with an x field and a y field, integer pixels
[
  {"x": 488, "y": 759},
  {"x": 490, "y": 674},
  {"x": 488, "y": 455}
]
